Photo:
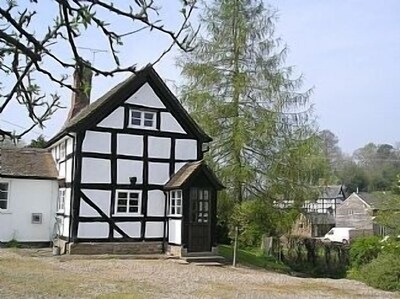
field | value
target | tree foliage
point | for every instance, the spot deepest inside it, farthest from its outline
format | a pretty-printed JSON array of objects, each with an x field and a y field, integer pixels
[
  {"x": 239, "y": 90},
  {"x": 39, "y": 37}
]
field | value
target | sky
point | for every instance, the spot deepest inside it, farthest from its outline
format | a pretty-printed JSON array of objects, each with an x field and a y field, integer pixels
[{"x": 347, "y": 50}]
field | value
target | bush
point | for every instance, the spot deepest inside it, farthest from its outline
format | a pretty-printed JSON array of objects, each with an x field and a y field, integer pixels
[
  {"x": 383, "y": 272},
  {"x": 364, "y": 249}
]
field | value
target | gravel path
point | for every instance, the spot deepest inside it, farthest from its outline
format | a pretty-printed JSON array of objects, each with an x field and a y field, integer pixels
[{"x": 32, "y": 275}]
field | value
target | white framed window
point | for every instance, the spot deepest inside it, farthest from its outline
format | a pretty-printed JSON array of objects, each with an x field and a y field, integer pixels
[
  {"x": 142, "y": 119},
  {"x": 62, "y": 151},
  {"x": 175, "y": 202},
  {"x": 61, "y": 200},
  {"x": 128, "y": 202},
  {"x": 4, "y": 195}
]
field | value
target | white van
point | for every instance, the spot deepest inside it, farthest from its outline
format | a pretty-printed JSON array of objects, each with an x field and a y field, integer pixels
[{"x": 340, "y": 234}]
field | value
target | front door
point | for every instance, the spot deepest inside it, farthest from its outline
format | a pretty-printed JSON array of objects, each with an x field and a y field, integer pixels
[{"x": 199, "y": 222}]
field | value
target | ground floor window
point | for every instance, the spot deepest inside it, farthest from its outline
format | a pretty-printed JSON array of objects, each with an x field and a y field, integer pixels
[
  {"x": 61, "y": 200},
  {"x": 4, "y": 195},
  {"x": 175, "y": 202},
  {"x": 128, "y": 202}
]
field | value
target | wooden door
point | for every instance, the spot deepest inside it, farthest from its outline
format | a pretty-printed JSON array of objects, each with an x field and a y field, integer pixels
[{"x": 199, "y": 220}]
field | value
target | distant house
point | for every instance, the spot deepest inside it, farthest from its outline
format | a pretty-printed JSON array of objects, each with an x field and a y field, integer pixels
[
  {"x": 28, "y": 189},
  {"x": 310, "y": 225},
  {"x": 359, "y": 210},
  {"x": 330, "y": 197}
]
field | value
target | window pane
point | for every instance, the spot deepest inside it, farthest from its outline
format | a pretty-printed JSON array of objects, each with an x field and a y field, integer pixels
[
  {"x": 148, "y": 123},
  {"x": 206, "y": 194},
  {"x": 122, "y": 202},
  {"x": 206, "y": 206},
  {"x": 121, "y": 209},
  {"x": 135, "y": 121},
  {"x": 134, "y": 195},
  {"x": 4, "y": 187},
  {"x": 3, "y": 204},
  {"x": 133, "y": 209},
  {"x": 179, "y": 210},
  {"x": 149, "y": 116},
  {"x": 136, "y": 114},
  {"x": 172, "y": 210},
  {"x": 179, "y": 202},
  {"x": 200, "y": 206},
  {"x": 179, "y": 194},
  {"x": 122, "y": 195},
  {"x": 133, "y": 202},
  {"x": 3, "y": 195}
]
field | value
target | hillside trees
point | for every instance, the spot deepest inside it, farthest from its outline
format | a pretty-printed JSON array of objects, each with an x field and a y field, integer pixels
[
  {"x": 239, "y": 90},
  {"x": 41, "y": 41}
]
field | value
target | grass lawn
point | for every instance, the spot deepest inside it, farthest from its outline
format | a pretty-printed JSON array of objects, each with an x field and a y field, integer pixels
[{"x": 253, "y": 258}]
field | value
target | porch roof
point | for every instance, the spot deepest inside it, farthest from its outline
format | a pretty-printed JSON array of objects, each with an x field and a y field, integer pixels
[{"x": 182, "y": 176}]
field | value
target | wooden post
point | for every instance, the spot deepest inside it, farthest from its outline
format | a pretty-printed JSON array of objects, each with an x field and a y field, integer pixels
[{"x": 235, "y": 246}]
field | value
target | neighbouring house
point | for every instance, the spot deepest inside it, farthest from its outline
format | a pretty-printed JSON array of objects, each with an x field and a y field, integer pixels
[
  {"x": 359, "y": 210},
  {"x": 28, "y": 193},
  {"x": 311, "y": 225},
  {"x": 329, "y": 198},
  {"x": 131, "y": 176}
]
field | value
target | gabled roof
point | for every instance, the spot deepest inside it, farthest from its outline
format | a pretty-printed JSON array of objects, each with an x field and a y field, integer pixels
[
  {"x": 27, "y": 163},
  {"x": 180, "y": 178},
  {"x": 121, "y": 92},
  {"x": 330, "y": 191},
  {"x": 381, "y": 200}
]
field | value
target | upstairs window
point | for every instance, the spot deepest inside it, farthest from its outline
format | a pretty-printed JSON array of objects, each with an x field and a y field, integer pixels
[
  {"x": 61, "y": 200},
  {"x": 175, "y": 203},
  {"x": 142, "y": 119},
  {"x": 3, "y": 196},
  {"x": 128, "y": 203},
  {"x": 62, "y": 151}
]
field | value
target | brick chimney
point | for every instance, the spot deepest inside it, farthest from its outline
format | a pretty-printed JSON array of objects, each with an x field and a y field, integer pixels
[{"x": 83, "y": 84}]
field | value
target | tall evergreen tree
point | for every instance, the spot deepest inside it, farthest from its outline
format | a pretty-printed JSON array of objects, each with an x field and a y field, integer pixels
[{"x": 239, "y": 90}]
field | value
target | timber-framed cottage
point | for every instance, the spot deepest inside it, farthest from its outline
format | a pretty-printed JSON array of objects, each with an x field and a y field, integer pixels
[{"x": 131, "y": 174}]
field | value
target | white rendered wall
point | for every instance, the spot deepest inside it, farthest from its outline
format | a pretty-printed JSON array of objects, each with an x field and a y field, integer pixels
[
  {"x": 101, "y": 198},
  {"x": 93, "y": 230},
  {"x": 159, "y": 147},
  {"x": 170, "y": 124},
  {"x": 127, "y": 169},
  {"x": 27, "y": 197},
  {"x": 97, "y": 142},
  {"x": 154, "y": 229},
  {"x": 131, "y": 145},
  {"x": 158, "y": 173},
  {"x": 132, "y": 229},
  {"x": 156, "y": 203},
  {"x": 145, "y": 96},
  {"x": 114, "y": 120},
  {"x": 186, "y": 149},
  {"x": 96, "y": 170},
  {"x": 174, "y": 231}
]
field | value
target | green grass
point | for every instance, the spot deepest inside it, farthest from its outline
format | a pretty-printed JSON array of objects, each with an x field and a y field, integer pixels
[{"x": 253, "y": 258}]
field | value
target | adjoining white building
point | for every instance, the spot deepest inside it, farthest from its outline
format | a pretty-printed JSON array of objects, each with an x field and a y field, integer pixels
[{"x": 28, "y": 195}]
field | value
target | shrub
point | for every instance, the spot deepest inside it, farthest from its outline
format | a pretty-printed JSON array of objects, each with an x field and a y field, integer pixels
[
  {"x": 383, "y": 272},
  {"x": 364, "y": 249}
]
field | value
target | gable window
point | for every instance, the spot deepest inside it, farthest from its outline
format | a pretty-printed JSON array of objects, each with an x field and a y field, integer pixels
[
  {"x": 61, "y": 200},
  {"x": 128, "y": 203},
  {"x": 175, "y": 202},
  {"x": 142, "y": 119},
  {"x": 3, "y": 196}
]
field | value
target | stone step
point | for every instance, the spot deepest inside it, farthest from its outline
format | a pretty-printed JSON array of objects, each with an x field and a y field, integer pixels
[{"x": 204, "y": 259}]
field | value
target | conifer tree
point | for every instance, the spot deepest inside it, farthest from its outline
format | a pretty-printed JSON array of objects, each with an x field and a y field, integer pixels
[{"x": 239, "y": 90}]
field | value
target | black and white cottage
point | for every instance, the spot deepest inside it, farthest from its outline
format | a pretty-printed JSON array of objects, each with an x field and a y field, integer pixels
[{"x": 131, "y": 174}]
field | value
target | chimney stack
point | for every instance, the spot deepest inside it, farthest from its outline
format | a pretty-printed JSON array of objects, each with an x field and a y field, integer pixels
[{"x": 82, "y": 84}]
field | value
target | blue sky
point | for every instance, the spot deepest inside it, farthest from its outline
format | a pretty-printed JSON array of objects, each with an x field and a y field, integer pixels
[{"x": 348, "y": 50}]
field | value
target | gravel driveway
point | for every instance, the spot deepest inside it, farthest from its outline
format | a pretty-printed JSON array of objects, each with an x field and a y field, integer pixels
[{"x": 30, "y": 274}]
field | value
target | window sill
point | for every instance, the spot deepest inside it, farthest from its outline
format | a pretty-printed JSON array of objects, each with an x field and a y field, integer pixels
[
  {"x": 5, "y": 211},
  {"x": 127, "y": 215},
  {"x": 174, "y": 215},
  {"x": 143, "y": 128}
]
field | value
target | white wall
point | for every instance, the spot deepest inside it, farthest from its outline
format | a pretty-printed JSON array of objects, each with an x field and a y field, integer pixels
[
  {"x": 26, "y": 197},
  {"x": 97, "y": 142},
  {"x": 114, "y": 120},
  {"x": 145, "y": 96},
  {"x": 154, "y": 229},
  {"x": 174, "y": 231},
  {"x": 185, "y": 149}
]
